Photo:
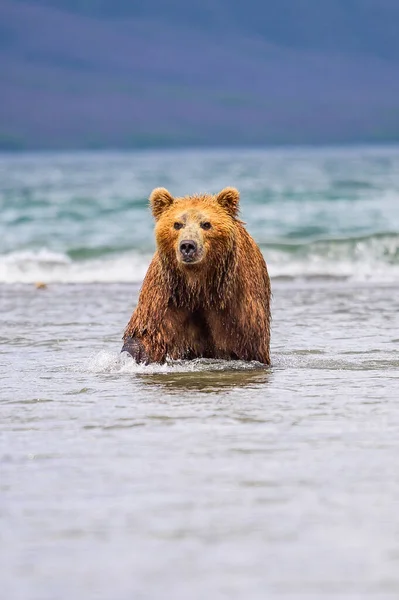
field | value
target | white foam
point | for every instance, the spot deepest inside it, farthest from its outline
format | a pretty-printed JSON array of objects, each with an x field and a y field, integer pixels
[
  {"x": 373, "y": 259},
  {"x": 54, "y": 267},
  {"x": 118, "y": 363},
  {"x": 320, "y": 267}
]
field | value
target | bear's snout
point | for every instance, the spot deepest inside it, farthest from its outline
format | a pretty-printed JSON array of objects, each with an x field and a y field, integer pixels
[{"x": 188, "y": 250}]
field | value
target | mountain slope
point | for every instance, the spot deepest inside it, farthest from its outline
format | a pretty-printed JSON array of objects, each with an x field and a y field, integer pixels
[{"x": 134, "y": 75}]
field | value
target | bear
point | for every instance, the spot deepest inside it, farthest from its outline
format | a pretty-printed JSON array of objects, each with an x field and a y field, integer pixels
[{"x": 207, "y": 291}]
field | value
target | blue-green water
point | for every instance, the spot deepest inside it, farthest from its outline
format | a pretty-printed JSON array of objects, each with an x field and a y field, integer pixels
[
  {"x": 202, "y": 479},
  {"x": 84, "y": 218}
]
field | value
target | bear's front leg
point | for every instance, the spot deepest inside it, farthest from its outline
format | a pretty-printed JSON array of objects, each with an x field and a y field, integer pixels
[{"x": 136, "y": 349}]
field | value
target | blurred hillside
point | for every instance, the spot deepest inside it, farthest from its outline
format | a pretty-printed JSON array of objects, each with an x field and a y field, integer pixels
[{"x": 141, "y": 74}]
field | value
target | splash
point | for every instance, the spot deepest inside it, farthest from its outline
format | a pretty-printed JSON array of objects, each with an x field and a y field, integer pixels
[{"x": 121, "y": 363}]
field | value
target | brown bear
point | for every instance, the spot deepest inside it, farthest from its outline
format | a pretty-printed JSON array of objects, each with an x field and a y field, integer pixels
[{"x": 206, "y": 293}]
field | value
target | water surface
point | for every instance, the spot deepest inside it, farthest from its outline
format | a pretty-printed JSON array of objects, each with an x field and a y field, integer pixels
[{"x": 205, "y": 478}]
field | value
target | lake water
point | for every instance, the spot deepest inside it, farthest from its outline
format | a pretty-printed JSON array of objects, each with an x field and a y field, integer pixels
[{"x": 202, "y": 479}]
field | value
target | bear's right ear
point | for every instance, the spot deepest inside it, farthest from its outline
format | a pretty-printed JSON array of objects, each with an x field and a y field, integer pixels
[{"x": 160, "y": 200}]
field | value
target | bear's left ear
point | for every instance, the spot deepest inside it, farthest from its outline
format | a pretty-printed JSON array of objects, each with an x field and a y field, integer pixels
[
  {"x": 229, "y": 198},
  {"x": 160, "y": 200}
]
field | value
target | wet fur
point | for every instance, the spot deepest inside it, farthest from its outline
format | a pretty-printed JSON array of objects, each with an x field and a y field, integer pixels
[{"x": 219, "y": 308}]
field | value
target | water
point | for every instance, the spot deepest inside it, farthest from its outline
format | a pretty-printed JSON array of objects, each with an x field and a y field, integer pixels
[
  {"x": 204, "y": 479},
  {"x": 84, "y": 218}
]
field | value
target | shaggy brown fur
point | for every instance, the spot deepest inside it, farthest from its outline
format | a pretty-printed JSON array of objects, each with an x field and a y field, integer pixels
[{"x": 213, "y": 304}]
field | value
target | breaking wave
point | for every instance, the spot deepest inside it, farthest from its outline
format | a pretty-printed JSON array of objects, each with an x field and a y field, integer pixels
[
  {"x": 55, "y": 267},
  {"x": 368, "y": 258}
]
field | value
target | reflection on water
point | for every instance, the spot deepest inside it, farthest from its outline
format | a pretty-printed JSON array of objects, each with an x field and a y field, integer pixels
[{"x": 213, "y": 381}]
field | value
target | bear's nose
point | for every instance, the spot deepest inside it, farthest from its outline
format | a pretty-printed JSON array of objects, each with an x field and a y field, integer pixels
[{"x": 188, "y": 248}]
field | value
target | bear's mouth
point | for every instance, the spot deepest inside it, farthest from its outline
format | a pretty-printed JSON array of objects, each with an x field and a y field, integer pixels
[{"x": 190, "y": 260}]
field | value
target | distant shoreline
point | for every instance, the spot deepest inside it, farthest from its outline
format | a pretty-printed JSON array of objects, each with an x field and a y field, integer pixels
[{"x": 198, "y": 147}]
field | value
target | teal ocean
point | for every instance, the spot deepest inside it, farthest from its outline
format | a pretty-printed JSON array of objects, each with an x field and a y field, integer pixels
[
  {"x": 203, "y": 479},
  {"x": 315, "y": 213}
]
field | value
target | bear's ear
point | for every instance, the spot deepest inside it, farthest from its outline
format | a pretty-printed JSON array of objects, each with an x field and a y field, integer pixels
[
  {"x": 160, "y": 200},
  {"x": 229, "y": 198}
]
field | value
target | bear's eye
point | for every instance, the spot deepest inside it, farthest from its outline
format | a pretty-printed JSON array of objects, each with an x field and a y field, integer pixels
[
  {"x": 178, "y": 225},
  {"x": 206, "y": 225}
]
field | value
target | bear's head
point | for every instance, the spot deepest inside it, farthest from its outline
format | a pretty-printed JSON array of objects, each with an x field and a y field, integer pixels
[{"x": 195, "y": 230}]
